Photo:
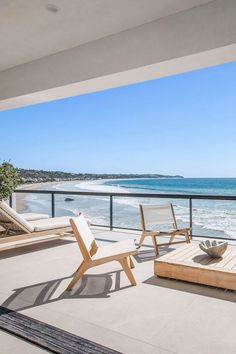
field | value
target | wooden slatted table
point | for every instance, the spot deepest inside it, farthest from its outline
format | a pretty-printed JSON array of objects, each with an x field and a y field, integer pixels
[{"x": 190, "y": 264}]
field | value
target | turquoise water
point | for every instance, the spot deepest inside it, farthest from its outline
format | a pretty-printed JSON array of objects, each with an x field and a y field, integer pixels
[
  {"x": 210, "y": 218},
  {"x": 219, "y": 186}
]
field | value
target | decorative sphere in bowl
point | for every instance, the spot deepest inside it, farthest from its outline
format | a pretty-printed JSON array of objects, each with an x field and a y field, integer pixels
[{"x": 214, "y": 248}]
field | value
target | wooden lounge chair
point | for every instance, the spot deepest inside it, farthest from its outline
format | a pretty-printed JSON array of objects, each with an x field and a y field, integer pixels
[
  {"x": 93, "y": 255},
  {"x": 9, "y": 226},
  {"x": 153, "y": 215},
  {"x": 20, "y": 228}
]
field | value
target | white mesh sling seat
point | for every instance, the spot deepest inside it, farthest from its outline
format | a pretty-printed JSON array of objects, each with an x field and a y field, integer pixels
[
  {"x": 156, "y": 215},
  {"x": 23, "y": 228},
  {"x": 94, "y": 255}
]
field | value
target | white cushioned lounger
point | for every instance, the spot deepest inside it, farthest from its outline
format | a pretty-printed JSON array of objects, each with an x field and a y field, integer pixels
[
  {"x": 34, "y": 216},
  {"x": 29, "y": 227},
  {"x": 49, "y": 224}
]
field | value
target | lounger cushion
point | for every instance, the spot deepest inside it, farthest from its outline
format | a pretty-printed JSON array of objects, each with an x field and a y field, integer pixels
[
  {"x": 14, "y": 216},
  {"x": 50, "y": 224},
  {"x": 34, "y": 216}
]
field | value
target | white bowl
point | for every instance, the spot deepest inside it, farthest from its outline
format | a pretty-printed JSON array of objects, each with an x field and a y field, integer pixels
[{"x": 214, "y": 248}]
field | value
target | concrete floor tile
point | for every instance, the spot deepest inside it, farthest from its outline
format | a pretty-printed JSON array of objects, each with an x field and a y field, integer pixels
[
  {"x": 157, "y": 316},
  {"x": 15, "y": 345}
]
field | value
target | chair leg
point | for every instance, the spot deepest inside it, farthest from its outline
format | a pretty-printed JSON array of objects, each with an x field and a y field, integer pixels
[
  {"x": 172, "y": 238},
  {"x": 125, "y": 265},
  {"x": 187, "y": 237},
  {"x": 80, "y": 271},
  {"x": 131, "y": 263},
  {"x": 141, "y": 239},
  {"x": 155, "y": 245}
]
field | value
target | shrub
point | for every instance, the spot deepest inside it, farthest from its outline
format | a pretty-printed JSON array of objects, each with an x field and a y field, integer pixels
[{"x": 9, "y": 180}]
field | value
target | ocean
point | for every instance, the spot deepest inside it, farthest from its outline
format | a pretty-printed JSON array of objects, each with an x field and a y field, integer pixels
[{"x": 210, "y": 218}]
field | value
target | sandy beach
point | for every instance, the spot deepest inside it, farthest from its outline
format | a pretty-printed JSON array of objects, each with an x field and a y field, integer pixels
[
  {"x": 80, "y": 185},
  {"x": 96, "y": 208},
  {"x": 21, "y": 197}
]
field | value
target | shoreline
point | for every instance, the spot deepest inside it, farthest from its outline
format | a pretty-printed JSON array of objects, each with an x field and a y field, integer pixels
[
  {"x": 79, "y": 181},
  {"x": 38, "y": 185},
  {"x": 21, "y": 201},
  {"x": 86, "y": 185}
]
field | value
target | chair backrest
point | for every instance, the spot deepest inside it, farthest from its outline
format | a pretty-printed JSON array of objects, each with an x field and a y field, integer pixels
[
  {"x": 84, "y": 236},
  {"x": 157, "y": 215},
  {"x": 10, "y": 218}
]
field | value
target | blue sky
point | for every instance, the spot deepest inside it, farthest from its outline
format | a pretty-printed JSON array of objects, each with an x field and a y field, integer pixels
[{"x": 183, "y": 124}]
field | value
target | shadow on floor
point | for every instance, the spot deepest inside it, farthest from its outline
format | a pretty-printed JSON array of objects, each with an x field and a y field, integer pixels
[
  {"x": 197, "y": 289},
  {"x": 149, "y": 255},
  {"x": 89, "y": 286}
]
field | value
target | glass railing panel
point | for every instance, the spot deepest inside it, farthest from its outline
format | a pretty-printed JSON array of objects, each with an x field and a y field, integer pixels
[
  {"x": 210, "y": 217},
  {"x": 214, "y": 218},
  {"x": 126, "y": 211},
  {"x": 32, "y": 203},
  {"x": 96, "y": 209}
]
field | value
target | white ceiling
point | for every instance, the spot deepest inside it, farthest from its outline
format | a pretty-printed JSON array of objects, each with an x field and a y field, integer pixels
[{"x": 29, "y": 31}]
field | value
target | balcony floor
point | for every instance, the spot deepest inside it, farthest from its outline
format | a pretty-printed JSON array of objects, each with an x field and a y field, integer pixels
[{"x": 157, "y": 316}]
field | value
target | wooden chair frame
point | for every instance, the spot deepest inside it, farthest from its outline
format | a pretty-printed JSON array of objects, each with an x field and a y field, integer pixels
[
  {"x": 154, "y": 234},
  {"x": 89, "y": 262}
]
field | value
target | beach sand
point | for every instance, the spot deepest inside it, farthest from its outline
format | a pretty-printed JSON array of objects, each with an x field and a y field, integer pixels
[{"x": 20, "y": 201}]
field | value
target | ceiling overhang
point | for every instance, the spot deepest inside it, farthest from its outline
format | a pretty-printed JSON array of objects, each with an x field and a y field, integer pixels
[{"x": 195, "y": 38}]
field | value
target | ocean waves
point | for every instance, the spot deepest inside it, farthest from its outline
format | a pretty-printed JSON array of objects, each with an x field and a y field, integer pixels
[{"x": 210, "y": 218}]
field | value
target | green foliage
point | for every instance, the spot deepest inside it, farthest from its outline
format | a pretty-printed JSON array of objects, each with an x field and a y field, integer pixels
[{"x": 9, "y": 180}]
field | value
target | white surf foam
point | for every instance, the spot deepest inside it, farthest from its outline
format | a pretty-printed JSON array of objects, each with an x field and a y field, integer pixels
[
  {"x": 211, "y": 219},
  {"x": 97, "y": 186}
]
